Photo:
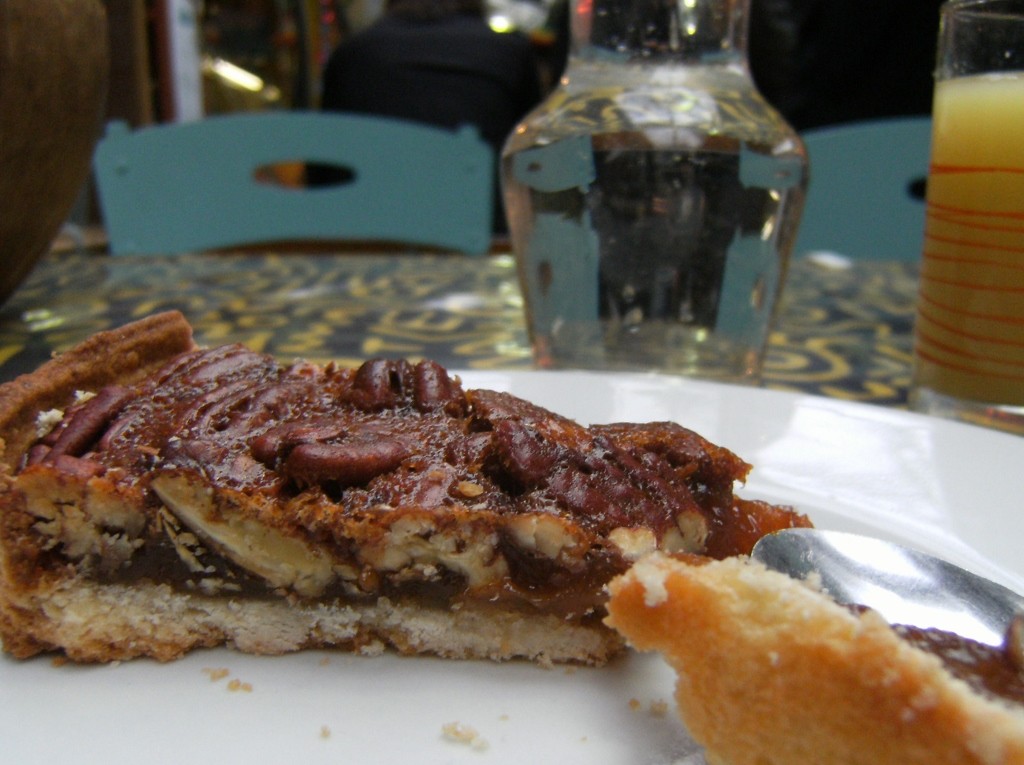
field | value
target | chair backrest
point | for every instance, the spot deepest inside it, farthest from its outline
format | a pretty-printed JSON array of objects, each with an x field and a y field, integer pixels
[
  {"x": 865, "y": 198},
  {"x": 196, "y": 185}
]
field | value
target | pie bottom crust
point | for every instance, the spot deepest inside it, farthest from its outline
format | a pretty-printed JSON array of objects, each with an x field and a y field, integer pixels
[{"x": 103, "y": 622}]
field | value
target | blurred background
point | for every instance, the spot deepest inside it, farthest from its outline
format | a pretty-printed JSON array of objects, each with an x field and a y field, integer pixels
[
  {"x": 819, "y": 62},
  {"x": 184, "y": 59}
]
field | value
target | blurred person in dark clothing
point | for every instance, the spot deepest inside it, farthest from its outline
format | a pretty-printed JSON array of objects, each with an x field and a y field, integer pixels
[
  {"x": 437, "y": 62},
  {"x": 822, "y": 62}
]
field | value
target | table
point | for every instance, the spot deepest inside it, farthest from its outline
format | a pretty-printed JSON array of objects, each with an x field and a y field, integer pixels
[{"x": 844, "y": 329}]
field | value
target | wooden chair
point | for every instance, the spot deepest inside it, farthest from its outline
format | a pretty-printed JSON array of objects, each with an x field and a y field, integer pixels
[
  {"x": 210, "y": 184},
  {"x": 866, "y": 193}
]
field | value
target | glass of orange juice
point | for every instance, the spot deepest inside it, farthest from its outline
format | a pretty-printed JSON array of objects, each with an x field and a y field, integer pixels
[{"x": 969, "y": 331}]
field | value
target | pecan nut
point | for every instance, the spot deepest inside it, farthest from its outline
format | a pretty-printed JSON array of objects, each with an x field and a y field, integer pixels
[
  {"x": 351, "y": 462},
  {"x": 90, "y": 422}
]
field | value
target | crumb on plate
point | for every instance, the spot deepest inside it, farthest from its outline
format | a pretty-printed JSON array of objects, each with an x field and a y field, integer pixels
[
  {"x": 216, "y": 674},
  {"x": 463, "y": 734}
]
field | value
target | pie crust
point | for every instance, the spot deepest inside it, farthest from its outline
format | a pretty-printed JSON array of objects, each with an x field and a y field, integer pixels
[{"x": 772, "y": 670}]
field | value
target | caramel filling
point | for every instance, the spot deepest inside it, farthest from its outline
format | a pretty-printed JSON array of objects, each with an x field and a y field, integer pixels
[{"x": 991, "y": 670}]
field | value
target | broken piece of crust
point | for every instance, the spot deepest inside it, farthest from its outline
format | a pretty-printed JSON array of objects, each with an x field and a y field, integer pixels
[
  {"x": 772, "y": 672},
  {"x": 126, "y": 353},
  {"x": 158, "y": 497}
]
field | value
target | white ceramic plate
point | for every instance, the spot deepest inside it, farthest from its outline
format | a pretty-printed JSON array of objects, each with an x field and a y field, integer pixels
[{"x": 949, "y": 488}]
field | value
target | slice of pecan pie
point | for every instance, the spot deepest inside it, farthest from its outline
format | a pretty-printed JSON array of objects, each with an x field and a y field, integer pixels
[{"x": 159, "y": 497}]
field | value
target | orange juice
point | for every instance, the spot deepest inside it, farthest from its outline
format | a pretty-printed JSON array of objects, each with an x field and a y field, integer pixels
[{"x": 970, "y": 325}]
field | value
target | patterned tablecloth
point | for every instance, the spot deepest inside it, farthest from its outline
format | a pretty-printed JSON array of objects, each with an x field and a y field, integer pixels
[{"x": 844, "y": 330}]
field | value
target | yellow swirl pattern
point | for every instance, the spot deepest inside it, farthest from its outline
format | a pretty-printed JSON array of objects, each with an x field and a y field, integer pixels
[{"x": 841, "y": 332}]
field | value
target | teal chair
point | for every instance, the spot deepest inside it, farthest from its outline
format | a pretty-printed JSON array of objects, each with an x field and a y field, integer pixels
[
  {"x": 207, "y": 184},
  {"x": 865, "y": 198}
]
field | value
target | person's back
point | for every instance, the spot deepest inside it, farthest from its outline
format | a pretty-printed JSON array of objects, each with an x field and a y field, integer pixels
[
  {"x": 445, "y": 70},
  {"x": 824, "y": 62}
]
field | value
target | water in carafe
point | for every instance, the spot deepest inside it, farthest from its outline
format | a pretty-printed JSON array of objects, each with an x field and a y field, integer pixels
[{"x": 652, "y": 202}]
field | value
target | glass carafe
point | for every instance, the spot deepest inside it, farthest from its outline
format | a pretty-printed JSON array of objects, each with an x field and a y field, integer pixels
[{"x": 654, "y": 197}]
